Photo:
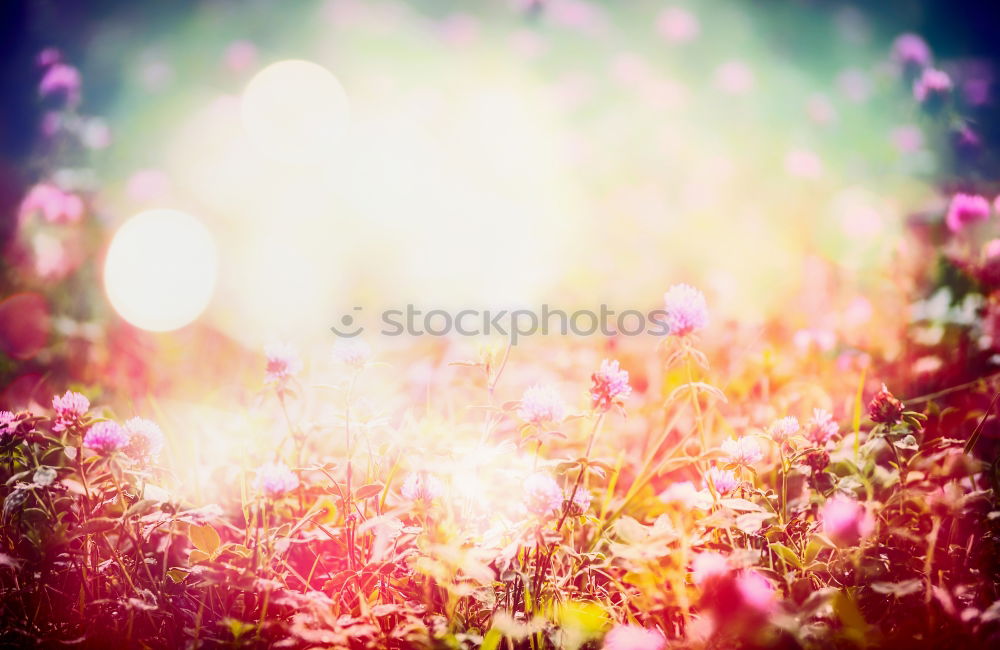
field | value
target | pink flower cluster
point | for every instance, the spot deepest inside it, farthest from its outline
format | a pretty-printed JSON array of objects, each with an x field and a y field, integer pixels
[
  {"x": 283, "y": 362},
  {"x": 744, "y": 451},
  {"x": 709, "y": 565},
  {"x": 542, "y": 495},
  {"x": 965, "y": 209},
  {"x": 609, "y": 386},
  {"x": 106, "y": 438},
  {"x": 723, "y": 480},
  {"x": 70, "y": 409},
  {"x": 542, "y": 404},
  {"x": 686, "y": 310},
  {"x": 275, "y": 480},
  {"x": 8, "y": 424},
  {"x": 932, "y": 86},
  {"x": 581, "y": 500},
  {"x": 734, "y": 598},
  {"x": 846, "y": 521},
  {"x": 821, "y": 427},
  {"x": 783, "y": 429},
  {"x": 55, "y": 205},
  {"x": 145, "y": 439},
  {"x": 911, "y": 51},
  {"x": 884, "y": 407},
  {"x": 62, "y": 81}
]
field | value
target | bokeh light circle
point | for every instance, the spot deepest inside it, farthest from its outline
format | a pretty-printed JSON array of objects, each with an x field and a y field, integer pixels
[
  {"x": 295, "y": 112},
  {"x": 160, "y": 270}
]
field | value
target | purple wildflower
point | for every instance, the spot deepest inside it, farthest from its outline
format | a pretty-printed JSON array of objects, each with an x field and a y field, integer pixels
[
  {"x": 582, "y": 499},
  {"x": 821, "y": 427},
  {"x": 756, "y": 592},
  {"x": 609, "y": 386},
  {"x": 911, "y": 51},
  {"x": 932, "y": 86},
  {"x": 8, "y": 425},
  {"x": 541, "y": 404},
  {"x": 542, "y": 495},
  {"x": 61, "y": 80},
  {"x": 48, "y": 56},
  {"x": 54, "y": 205},
  {"x": 723, "y": 480},
  {"x": 145, "y": 439},
  {"x": 686, "y": 310},
  {"x": 783, "y": 429},
  {"x": 744, "y": 451},
  {"x": 106, "y": 438},
  {"x": 70, "y": 409},
  {"x": 846, "y": 521},
  {"x": 275, "y": 480},
  {"x": 283, "y": 362},
  {"x": 965, "y": 209}
]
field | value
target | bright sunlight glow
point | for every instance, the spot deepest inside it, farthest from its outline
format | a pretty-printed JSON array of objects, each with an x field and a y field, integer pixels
[
  {"x": 295, "y": 112},
  {"x": 160, "y": 270}
]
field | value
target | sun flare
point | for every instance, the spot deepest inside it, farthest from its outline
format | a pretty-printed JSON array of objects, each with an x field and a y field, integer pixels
[
  {"x": 160, "y": 270},
  {"x": 295, "y": 112}
]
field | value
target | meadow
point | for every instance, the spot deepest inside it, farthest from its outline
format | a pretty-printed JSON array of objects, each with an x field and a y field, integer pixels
[{"x": 804, "y": 451}]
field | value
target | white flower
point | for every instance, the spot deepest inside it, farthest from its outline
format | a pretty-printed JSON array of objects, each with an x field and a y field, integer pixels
[{"x": 352, "y": 352}]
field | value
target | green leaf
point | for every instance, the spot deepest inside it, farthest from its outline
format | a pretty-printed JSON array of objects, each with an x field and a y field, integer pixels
[
  {"x": 815, "y": 545},
  {"x": 94, "y": 526},
  {"x": 139, "y": 508},
  {"x": 205, "y": 538},
  {"x": 14, "y": 478},
  {"x": 238, "y": 549},
  {"x": 492, "y": 640},
  {"x": 236, "y": 627},
  {"x": 34, "y": 514},
  {"x": 847, "y": 610},
  {"x": 178, "y": 574},
  {"x": 786, "y": 554}
]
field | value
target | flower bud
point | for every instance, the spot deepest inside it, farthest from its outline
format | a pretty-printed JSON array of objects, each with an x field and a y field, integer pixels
[{"x": 884, "y": 408}]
